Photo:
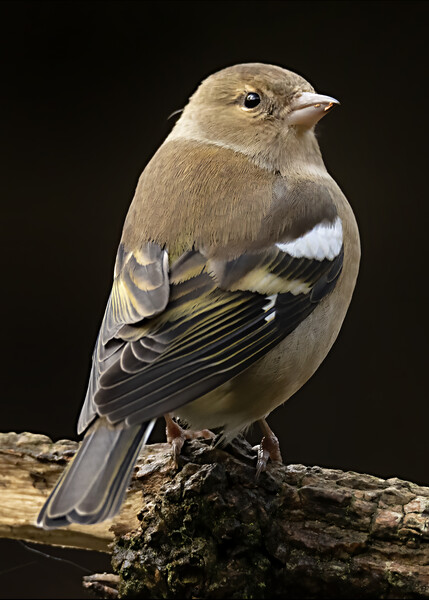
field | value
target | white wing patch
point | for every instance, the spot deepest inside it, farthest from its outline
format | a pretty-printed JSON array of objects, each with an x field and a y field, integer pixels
[
  {"x": 324, "y": 241},
  {"x": 271, "y": 302}
]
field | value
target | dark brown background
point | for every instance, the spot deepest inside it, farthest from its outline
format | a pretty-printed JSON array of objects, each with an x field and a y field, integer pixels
[{"x": 86, "y": 89}]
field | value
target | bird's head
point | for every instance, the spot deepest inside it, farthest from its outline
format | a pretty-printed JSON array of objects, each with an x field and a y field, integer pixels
[{"x": 264, "y": 111}]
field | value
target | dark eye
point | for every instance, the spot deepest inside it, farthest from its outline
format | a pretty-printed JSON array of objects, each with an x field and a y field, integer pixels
[{"x": 251, "y": 100}]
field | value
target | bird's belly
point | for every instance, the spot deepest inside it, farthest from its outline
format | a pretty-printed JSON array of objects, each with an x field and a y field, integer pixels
[{"x": 274, "y": 378}]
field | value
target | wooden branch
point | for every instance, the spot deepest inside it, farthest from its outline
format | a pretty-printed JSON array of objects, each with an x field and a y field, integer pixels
[
  {"x": 207, "y": 529},
  {"x": 30, "y": 465}
]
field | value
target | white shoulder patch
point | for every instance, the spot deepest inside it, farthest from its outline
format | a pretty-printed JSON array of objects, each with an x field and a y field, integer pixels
[{"x": 323, "y": 241}]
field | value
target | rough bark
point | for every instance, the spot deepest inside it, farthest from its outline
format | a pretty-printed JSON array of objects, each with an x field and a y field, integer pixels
[{"x": 208, "y": 529}]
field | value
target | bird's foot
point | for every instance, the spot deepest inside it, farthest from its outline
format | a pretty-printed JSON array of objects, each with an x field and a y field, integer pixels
[
  {"x": 269, "y": 448},
  {"x": 176, "y": 436}
]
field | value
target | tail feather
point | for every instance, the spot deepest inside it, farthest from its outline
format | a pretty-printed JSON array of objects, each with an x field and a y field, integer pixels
[{"x": 93, "y": 487}]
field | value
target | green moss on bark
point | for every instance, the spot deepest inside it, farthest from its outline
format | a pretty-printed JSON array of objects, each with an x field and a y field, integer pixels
[{"x": 210, "y": 530}]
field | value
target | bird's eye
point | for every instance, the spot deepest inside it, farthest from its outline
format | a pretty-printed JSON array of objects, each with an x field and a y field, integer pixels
[{"x": 251, "y": 100}]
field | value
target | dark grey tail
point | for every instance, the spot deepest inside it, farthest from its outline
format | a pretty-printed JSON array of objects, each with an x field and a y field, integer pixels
[{"x": 93, "y": 487}]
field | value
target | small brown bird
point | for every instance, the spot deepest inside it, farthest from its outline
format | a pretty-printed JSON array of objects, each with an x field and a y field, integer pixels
[{"x": 237, "y": 264}]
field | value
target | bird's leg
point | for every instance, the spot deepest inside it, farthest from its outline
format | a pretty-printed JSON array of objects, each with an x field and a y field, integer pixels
[
  {"x": 176, "y": 435},
  {"x": 269, "y": 448}
]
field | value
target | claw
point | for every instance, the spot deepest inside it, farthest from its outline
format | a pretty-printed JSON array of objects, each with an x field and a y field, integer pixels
[
  {"x": 269, "y": 448},
  {"x": 177, "y": 436},
  {"x": 263, "y": 457}
]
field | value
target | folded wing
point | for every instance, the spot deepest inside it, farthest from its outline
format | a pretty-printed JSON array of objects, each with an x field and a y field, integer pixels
[{"x": 163, "y": 344}]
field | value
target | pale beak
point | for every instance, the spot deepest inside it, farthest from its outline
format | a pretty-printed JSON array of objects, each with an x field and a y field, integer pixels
[{"x": 309, "y": 108}]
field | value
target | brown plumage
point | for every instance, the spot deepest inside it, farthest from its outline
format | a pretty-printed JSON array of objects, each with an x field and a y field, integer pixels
[{"x": 237, "y": 263}]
